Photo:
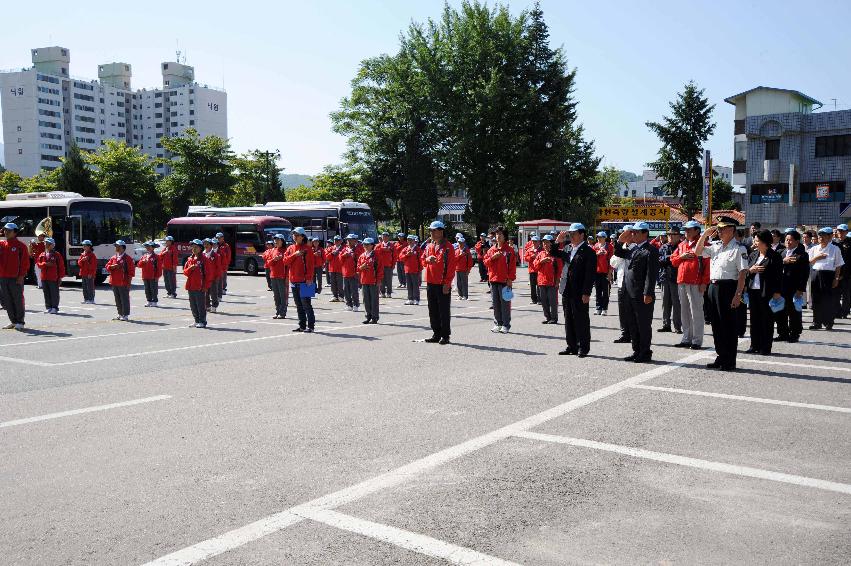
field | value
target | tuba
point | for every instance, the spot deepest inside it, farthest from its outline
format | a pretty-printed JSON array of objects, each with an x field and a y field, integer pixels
[{"x": 45, "y": 227}]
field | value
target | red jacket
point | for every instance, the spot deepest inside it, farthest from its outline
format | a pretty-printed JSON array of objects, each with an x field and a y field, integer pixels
[
  {"x": 529, "y": 255},
  {"x": 332, "y": 254},
  {"x": 300, "y": 266},
  {"x": 226, "y": 254},
  {"x": 214, "y": 263},
  {"x": 169, "y": 258},
  {"x": 275, "y": 263},
  {"x": 442, "y": 271},
  {"x": 463, "y": 259},
  {"x": 318, "y": 258},
  {"x": 398, "y": 248},
  {"x": 369, "y": 268},
  {"x": 151, "y": 266},
  {"x": 197, "y": 270},
  {"x": 52, "y": 266},
  {"x": 265, "y": 257},
  {"x": 410, "y": 256},
  {"x": 386, "y": 253},
  {"x": 349, "y": 261},
  {"x": 121, "y": 270},
  {"x": 604, "y": 254},
  {"x": 549, "y": 269},
  {"x": 693, "y": 271},
  {"x": 504, "y": 268},
  {"x": 88, "y": 264},
  {"x": 14, "y": 258}
]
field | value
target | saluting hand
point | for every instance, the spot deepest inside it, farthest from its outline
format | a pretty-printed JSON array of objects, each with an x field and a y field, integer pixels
[
  {"x": 648, "y": 299},
  {"x": 586, "y": 299}
]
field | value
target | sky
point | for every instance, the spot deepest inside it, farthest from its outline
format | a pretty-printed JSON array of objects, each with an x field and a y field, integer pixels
[{"x": 287, "y": 64}]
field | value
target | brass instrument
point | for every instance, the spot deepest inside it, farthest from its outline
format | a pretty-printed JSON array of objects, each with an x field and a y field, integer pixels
[{"x": 45, "y": 227}]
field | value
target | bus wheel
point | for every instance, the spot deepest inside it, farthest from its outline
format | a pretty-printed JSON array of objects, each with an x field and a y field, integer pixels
[
  {"x": 100, "y": 279},
  {"x": 251, "y": 267}
]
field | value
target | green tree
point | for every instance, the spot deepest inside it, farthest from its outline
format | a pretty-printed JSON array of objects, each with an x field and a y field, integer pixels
[
  {"x": 302, "y": 193},
  {"x": 683, "y": 136},
  {"x": 75, "y": 175},
  {"x": 201, "y": 172},
  {"x": 722, "y": 194},
  {"x": 10, "y": 183},
  {"x": 43, "y": 182},
  {"x": 611, "y": 183},
  {"x": 258, "y": 178},
  {"x": 124, "y": 172}
]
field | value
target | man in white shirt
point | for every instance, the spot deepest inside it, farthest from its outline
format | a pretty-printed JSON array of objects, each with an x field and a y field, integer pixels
[{"x": 825, "y": 262}]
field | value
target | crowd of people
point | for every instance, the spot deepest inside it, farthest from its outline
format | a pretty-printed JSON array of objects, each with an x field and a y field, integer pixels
[{"x": 711, "y": 277}]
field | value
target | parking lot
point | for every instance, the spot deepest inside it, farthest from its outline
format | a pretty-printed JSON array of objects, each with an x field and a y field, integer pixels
[{"x": 245, "y": 443}]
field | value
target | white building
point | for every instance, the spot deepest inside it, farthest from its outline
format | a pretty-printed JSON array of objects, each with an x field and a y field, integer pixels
[
  {"x": 44, "y": 110},
  {"x": 652, "y": 185}
]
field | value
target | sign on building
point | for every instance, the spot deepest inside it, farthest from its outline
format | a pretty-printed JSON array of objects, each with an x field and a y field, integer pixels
[
  {"x": 634, "y": 213},
  {"x": 823, "y": 193}
]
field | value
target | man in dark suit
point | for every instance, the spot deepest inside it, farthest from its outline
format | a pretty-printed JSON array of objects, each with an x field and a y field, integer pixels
[
  {"x": 581, "y": 263},
  {"x": 642, "y": 269},
  {"x": 793, "y": 283}
]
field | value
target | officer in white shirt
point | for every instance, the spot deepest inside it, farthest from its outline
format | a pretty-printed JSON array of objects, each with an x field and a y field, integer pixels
[{"x": 825, "y": 262}]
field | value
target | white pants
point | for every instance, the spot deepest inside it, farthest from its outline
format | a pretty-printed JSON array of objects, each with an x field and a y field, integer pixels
[
  {"x": 691, "y": 313},
  {"x": 37, "y": 271}
]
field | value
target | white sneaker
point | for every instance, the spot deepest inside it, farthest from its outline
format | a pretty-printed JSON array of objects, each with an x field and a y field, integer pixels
[
  {"x": 198, "y": 325},
  {"x": 125, "y": 318},
  {"x": 155, "y": 304},
  {"x": 416, "y": 302},
  {"x": 503, "y": 330},
  {"x": 147, "y": 304},
  {"x": 19, "y": 326},
  {"x": 496, "y": 329},
  {"x": 84, "y": 302},
  {"x": 213, "y": 309},
  {"x": 356, "y": 308},
  {"x": 605, "y": 313},
  {"x": 9, "y": 326},
  {"x": 54, "y": 311},
  {"x": 348, "y": 308}
]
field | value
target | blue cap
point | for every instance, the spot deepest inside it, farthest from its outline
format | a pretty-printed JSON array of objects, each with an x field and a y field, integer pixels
[
  {"x": 279, "y": 237},
  {"x": 843, "y": 227},
  {"x": 270, "y": 242},
  {"x": 50, "y": 241},
  {"x": 826, "y": 230},
  {"x": 368, "y": 241},
  {"x": 437, "y": 225},
  {"x": 602, "y": 234},
  {"x": 789, "y": 230},
  {"x": 549, "y": 238},
  {"x": 300, "y": 231},
  {"x": 462, "y": 239},
  {"x": 641, "y": 226},
  {"x": 458, "y": 235},
  {"x": 692, "y": 224},
  {"x": 416, "y": 238},
  {"x": 314, "y": 240},
  {"x": 412, "y": 236},
  {"x": 385, "y": 233},
  {"x": 400, "y": 235},
  {"x": 197, "y": 242},
  {"x": 576, "y": 227},
  {"x": 11, "y": 226},
  {"x": 337, "y": 237},
  {"x": 352, "y": 237},
  {"x": 120, "y": 243},
  {"x": 534, "y": 239},
  {"x": 219, "y": 235},
  {"x": 149, "y": 244},
  {"x": 169, "y": 238},
  {"x": 483, "y": 235},
  {"x": 87, "y": 243}
]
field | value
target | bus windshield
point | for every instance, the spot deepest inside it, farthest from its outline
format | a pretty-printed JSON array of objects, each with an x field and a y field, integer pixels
[
  {"x": 104, "y": 222},
  {"x": 358, "y": 221}
]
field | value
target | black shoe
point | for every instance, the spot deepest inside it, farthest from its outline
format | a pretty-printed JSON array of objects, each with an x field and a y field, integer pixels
[
  {"x": 781, "y": 338},
  {"x": 682, "y": 345},
  {"x": 433, "y": 340},
  {"x": 553, "y": 322},
  {"x": 366, "y": 321},
  {"x": 714, "y": 365},
  {"x": 567, "y": 352},
  {"x": 792, "y": 339},
  {"x": 751, "y": 351},
  {"x": 644, "y": 358},
  {"x": 696, "y": 347},
  {"x": 678, "y": 331},
  {"x": 765, "y": 353},
  {"x": 374, "y": 321},
  {"x": 444, "y": 341},
  {"x": 582, "y": 354},
  {"x": 308, "y": 330},
  {"x": 664, "y": 329},
  {"x": 815, "y": 327},
  {"x": 546, "y": 321},
  {"x": 828, "y": 326},
  {"x": 630, "y": 358},
  {"x": 298, "y": 329},
  {"x": 622, "y": 340},
  {"x": 728, "y": 367}
]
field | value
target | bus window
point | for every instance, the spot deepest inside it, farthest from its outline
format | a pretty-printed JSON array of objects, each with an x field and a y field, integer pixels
[
  {"x": 333, "y": 225},
  {"x": 103, "y": 222},
  {"x": 76, "y": 230},
  {"x": 252, "y": 238},
  {"x": 26, "y": 217}
]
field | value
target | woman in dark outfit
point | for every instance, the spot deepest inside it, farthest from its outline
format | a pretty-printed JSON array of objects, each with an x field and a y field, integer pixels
[{"x": 765, "y": 270}]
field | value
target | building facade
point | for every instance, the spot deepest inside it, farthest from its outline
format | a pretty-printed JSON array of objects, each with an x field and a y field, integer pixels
[
  {"x": 794, "y": 164},
  {"x": 45, "y": 110}
]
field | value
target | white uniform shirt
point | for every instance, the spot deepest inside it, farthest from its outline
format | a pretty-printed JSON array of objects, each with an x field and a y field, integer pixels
[
  {"x": 832, "y": 262},
  {"x": 725, "y": 262}
]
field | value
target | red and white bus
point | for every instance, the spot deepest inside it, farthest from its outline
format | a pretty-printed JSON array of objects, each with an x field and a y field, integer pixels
[{"x": 247, "y": 236}]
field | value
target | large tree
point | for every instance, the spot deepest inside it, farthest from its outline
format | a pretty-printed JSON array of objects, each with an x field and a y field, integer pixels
[
  {"x": 258, "y": 178},
  {"x": 75, "y": 175},
  {"x": 683, "y": 136}
]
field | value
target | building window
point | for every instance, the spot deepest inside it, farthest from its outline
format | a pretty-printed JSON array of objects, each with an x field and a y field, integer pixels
[
  {"x": 833, "y": 146},
  {"x": 158, "y": 115},
  {"x": 772, "y": 149},
  {"x": 192, "y": 123},
  {"x": 158, "y": 105},
  {"x": 174, "y": 124},
  {"x": 20, "y": 151},
  {"x": 158, "y": 125},
  {"x": 19, "y": 128}
]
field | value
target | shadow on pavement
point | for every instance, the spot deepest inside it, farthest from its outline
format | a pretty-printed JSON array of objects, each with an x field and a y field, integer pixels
[
  {"x": 769, "y": 373},
  {"x": 497, "y": 349},
  {"x": 340, "y": 335},
  {"x": 36, "y": 332}
]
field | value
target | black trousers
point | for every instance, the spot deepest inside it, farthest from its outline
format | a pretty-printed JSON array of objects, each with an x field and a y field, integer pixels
[
  {"x": 623, "y": 312},
  {"x": 741, "y": 319},
  {"x": 483, "y": 271},
  {"x": 304, "y": 308},
  {"x": 577, "y": 323},
  {"x": 723, "y": 318},
  {"x": 438, "y": 309},
  {"x": 762, "y": 323},
  {"x": 844, "y": 291},
  {"x": 533, "y": 285},
  {"x": 824, "y": 301},
  {"x": 640, "y": 321},
  {"x": 198, "y": 306},
  {"x": 602, "y": 288},
  {"x": 789, "y": 322},
  {"x": 51, "y": 294}
]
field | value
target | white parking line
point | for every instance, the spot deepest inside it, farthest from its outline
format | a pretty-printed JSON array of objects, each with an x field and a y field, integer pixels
[
  {"x": 692, "y": 462},
  {"x": 283, "y": 519},
  {"x": 25, "y": 362},
  {"x": 790, "y": 364},
  {"x": 82, "y": 411},
  {"x": 745, "y": 398},
  {"x": 416, "y": 542}
]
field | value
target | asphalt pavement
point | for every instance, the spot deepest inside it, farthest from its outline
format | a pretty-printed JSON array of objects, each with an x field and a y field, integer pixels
[{"x": 149, "y": 442}]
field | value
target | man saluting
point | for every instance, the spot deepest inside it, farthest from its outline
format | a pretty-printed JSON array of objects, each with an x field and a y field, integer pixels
[
  {"x": 642, "y": 269},
  {"x": 581, "y": 262}
]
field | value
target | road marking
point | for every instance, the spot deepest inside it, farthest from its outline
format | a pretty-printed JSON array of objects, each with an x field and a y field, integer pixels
[
  {"x": 790, "y": 364},
  {"x": 26, "y": 362},
  {"x": 273, "y": 523},
  {"x": 416, "y": 542},
  {"x": 692, "y": 462},
  {"x": 82, "y": 411},
  {"x": 745, "y": 398}
]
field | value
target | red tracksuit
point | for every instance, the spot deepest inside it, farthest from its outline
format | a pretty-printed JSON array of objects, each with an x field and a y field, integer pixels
[
  {"x": 369, "y": 268},
  {"x": 463, "y": 259},
  {"x": 151, "y": 266},
  {"x": 549, "y": 269},
  {"x": 504, "y": 268},
  {"x": 348, "y": 261},
  {"x": 14, "y": 258},
  {"x": 197, "y": 271},
  {"x": 442, "y": 271},
  {"x": 275, "y": 263},
  {"x": 88, "y": 264},
  {"x": 301, "y": 266},
  {"x": 124, "y": 270},
  {"x": 169, "y": 258},
  {"x": 52, "y": 266}
]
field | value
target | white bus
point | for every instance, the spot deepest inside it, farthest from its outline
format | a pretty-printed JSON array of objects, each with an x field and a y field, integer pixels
[
  {"x": 320, "y": 219},
  {"x": 73, "y": 218}
]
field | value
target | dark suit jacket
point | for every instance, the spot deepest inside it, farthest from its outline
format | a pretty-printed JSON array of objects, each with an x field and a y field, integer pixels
[
  {"x": 770, "y": 279},
  {"x": 580, "y": 271},
  {"x": 795, "y": 275},
  {"x": 642, "y": 269}
]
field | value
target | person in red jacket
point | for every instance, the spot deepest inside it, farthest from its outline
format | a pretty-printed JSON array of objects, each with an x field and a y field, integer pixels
[
  {"x": 386, "y": 252},
  {"x": 214, "y": 284},
  {"x": 318, "y": 263},
  {"x": 502, "y": 271},
  {"x": 603, "y": 279},
  {"x": 349, "y": 269},
  {"x": 401, "y": 244},
  {"x": 692, "y": 281},
  {"x": 151, "y": 267},
  {"x": 14, "y": 265},
  {"x": 265, "y": 257},
  {"x": 299, "y": 260},
  {"x": 438, "y": 259},
  {"x": 409, "y": 255},
  {"x": 463, "y": 266},
  {"x": 37, "y": 248},
  {"x": 88, "y": 264},
  {"x": 169, "y": 259},
  {"x": 371, "y": 272},
  {"x": 121, "y": 270},
  {"x": 335, "y": 271},
  {"x": 196, "y": 270},
  {"x": 52, "y": 266},
  {"x": 278, "y": 275},
  {"x": 530, "y": 251},
  {"x": 549, "y": 270},
  {"x": 225, "y": 256}
]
